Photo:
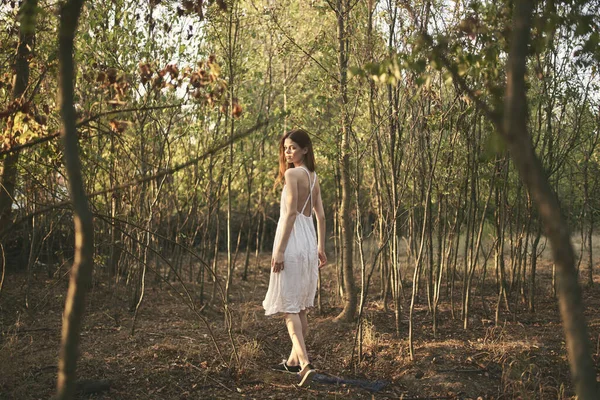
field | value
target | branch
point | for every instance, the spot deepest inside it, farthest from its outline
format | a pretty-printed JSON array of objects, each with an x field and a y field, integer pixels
[
  {"x": 493, "y": 115},
  {"x": 170, "y": 171},
  {"x": 84, "y": 122},
  {"x": 304, "y": 51}
]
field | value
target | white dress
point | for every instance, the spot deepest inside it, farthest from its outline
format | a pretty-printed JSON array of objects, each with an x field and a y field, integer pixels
[{"x": 293, "y": 289}]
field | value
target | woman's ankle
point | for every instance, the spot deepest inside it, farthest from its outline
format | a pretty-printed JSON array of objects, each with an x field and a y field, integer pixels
[
  {"x": 291, "y": 362},
  {"x": 303, "y": 365}
]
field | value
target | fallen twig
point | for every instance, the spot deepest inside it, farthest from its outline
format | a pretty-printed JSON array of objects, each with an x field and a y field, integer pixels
[
  {"x": 209, "y": 377},
  {"x": 462, "y": 370},
  {"x": 20, "y": 331}
]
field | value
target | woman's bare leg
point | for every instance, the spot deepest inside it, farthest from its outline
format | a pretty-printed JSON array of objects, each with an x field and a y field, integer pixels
[
  {"x": 304, "y": 320},
  {"x": 296, "y": 328},
  {"x": 293, "y": 358}
]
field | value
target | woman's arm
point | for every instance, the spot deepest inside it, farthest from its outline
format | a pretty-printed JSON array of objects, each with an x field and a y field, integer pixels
[
  {"x": 320, "y": 212},
  {"x": 291, "y": 205}
]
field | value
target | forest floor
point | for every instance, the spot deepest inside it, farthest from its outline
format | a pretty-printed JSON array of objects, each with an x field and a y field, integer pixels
[{"x": 171, "y": 355}]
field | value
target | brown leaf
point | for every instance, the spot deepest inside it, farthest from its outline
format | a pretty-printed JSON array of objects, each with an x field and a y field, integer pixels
[
  {"x": 173, "y": 70},
  {"x": 111, "y": 73},
  {"x": 188, "y": 5},
  {"x": 145, "y": 71},
  {"x": 158, "y": 82},
  {"x": 41, "y": 119},
  {"x": 118, "y": 126},
  {"x": 237, "y": 109},
  {"x": 116, "y": 102},
  {"x": 222, "y": 5},
  {"x": 196, "y": 94},
  {"x": 195, "y": 80}
]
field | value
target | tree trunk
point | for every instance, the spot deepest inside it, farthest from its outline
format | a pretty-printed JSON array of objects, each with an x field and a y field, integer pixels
[
  {"x": 81, "y": 271},
  {"x": 531, "y": 172},
  {"x": 350, "y": 301},
  {"x": 8, "y": 169}
]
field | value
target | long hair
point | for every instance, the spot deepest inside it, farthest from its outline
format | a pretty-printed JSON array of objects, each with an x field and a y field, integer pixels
[{"x": 301, "y": 138}]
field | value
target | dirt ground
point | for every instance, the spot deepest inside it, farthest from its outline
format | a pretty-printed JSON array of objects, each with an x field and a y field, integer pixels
[{"x": 172, "y": 355}]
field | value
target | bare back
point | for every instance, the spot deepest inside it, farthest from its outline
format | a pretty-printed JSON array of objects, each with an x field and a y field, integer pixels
[{"x": 304, "y": 184}]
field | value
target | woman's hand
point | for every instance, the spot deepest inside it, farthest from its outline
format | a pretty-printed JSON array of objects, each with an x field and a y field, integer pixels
[
  {"x": 322, "y": 258},
  {"x": 277, "y": 262}
]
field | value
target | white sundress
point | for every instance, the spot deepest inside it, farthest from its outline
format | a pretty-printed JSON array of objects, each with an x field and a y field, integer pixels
[{"x": 293, "y": 289}]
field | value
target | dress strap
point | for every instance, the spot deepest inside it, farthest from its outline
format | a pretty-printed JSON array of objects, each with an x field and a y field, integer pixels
[{"x": 312, "y": 185}]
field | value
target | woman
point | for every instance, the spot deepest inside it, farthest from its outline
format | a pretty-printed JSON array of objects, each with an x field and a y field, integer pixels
[{"x": 297, "y": 256}]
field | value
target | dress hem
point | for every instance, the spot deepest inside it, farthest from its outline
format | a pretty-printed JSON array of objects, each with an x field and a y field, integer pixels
[{"x": 268, "y": 314}]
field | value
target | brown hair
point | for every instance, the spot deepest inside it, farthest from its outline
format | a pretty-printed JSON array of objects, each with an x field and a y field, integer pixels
[{"x": 301, "y": 138}]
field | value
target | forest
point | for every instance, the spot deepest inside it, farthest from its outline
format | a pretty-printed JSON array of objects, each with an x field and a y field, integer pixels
[{"x": 457, "y": 146}]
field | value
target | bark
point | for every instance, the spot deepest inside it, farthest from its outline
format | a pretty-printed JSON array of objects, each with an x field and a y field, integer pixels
[
  {"x": 500, "y": 221},
  {"x": 532, "y": 270},
  {"x": 531, "y": 172},
  {"x": 115, "y": 206},
  {"x": 81, "y": 271},
  {"x": 232, "y": 37},
  {"x": 393, "y": 167},
  {"x": 475, "y": 256},
  {"x": 350, "y": 300},
  {"x": 8, "y": 177},
  {"x": 588, "y": 211}
]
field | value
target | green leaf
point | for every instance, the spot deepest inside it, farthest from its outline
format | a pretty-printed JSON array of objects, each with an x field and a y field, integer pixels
[
  {"x": 447, "y": 78},
  {"x": 493, "y": 145},
  {"x": 420, "y": 65},
  {"x": 372, "y": 68},
  {"x": 356, "y": 71}
]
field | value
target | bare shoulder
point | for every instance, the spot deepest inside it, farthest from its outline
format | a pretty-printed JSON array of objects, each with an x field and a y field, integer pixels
[{"x": 291, "y": 175}]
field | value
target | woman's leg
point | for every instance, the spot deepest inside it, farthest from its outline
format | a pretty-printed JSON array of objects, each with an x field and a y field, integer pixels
[
  {"x": 295, "y": 329},
  {"x": 304, "y": 321},
  {"x": 293, "y": 358}
]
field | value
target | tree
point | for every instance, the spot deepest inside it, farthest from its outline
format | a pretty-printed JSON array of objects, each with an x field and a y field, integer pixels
[
  {"x": 81, "y": 271},
  {"x": 342, "y": 10},
  {"x": 27, "y": 12},
  {"x": 513, "y": 128},
  {"x": 514, "y": 131}
]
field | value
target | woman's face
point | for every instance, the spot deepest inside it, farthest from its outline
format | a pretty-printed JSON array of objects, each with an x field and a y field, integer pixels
[{"x": 294, "y": 154}]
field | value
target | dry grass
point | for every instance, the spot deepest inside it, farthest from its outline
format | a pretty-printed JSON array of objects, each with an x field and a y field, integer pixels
[
  {"x": 172, "y": 356},
  {"x": 248, "y": 353},
  {"x": 370, "y": 337}
]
